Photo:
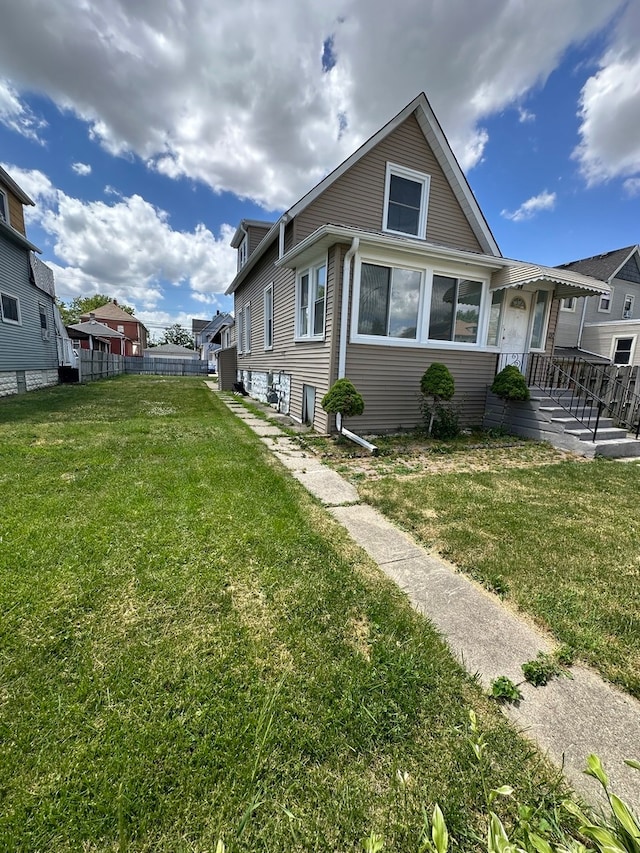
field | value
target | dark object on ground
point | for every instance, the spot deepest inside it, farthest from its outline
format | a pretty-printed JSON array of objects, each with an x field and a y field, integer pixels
[{"x": 238, "y": 388}]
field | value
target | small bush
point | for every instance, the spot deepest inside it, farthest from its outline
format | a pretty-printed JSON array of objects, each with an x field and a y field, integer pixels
[
  {"x": 437, "y": 382},
  {"x": 504, "y": 690},
  {"x": 510, "y": 384},
  {"x": 343, "y": 399}
]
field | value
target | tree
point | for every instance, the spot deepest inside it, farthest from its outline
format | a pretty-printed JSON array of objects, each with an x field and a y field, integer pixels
[
  {"x": 72, "y": 311},
  {"x": 343, "y": 399},
  {"x": 177, "y": 334},
  {"x": 437, "y": 383}
]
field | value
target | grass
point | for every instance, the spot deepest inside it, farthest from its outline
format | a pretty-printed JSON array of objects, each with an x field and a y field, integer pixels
[
  {"x": 191, "y": 649},
  {"x": 559, "y": 540}
]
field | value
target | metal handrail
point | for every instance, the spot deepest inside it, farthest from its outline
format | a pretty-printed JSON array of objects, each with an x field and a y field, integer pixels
[{"x": 589, "y": 387}]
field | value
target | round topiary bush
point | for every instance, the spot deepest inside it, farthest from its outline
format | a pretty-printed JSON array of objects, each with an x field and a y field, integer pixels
[
  {"x": 343, "y": 399},
  {"x": 437, "y": 382},
  {"x": 510, "y": 384}
]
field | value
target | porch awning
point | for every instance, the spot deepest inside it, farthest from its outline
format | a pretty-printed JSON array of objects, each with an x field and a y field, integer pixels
[{"x": 567, "y": 282}]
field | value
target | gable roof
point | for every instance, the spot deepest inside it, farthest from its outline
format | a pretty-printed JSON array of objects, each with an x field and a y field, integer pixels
[
  {"x": 92, "y": 327},
  {"x": 436, "y": 139},
  {"x": 7, "y": 180},
  {"x": 217, "y": 323},
  {"x": 171, "y": 349},
  {"x": 111, "y": 311},
  {"x": 198, "y": 325},
  {"x": 603, "y": 267}
]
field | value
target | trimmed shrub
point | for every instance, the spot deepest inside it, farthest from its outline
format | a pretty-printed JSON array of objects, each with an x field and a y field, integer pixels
[
  {"x": 437, "y": 382},
  {"x": 343, "y": 399},
  {"x": 510, "y": 384}
]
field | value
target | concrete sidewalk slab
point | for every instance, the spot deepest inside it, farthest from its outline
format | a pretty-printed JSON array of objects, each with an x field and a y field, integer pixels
[
  {"x": 327, "y": 486},
  {"x": 379, "y": 538}
]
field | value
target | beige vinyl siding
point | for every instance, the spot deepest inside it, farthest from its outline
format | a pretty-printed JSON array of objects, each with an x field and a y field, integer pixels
[
  {"x": 568, "y": 328},
  {"x": 256, "y": 236},
  {"x": 307, "y": 362},
  {"x": 389, "y": 380},
  {"x": 357, "y": 198}
]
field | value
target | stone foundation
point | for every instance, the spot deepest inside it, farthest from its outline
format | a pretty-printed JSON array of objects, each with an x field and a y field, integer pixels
[
  {"x": 19, "y": 381},
  {"x": 267, "y": 387}
]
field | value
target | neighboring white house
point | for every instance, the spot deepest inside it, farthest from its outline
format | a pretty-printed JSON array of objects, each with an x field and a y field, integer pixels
[{"x": 173, "y": 351}]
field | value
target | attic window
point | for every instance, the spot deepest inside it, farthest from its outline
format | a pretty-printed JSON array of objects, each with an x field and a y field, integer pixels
[
  {"x": 243, "y": 253},
  {"x": 406, "y": 198},
  {"x": 4, "y": 207}
]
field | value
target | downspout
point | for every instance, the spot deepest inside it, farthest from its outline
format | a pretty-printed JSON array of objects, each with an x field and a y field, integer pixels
[{"x": 342, "y": 350}]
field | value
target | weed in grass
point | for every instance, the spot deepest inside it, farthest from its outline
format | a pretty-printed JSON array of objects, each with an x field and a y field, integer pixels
[
  {"x": 544, "y": 667},
  {"x": 504, "y": 690}
]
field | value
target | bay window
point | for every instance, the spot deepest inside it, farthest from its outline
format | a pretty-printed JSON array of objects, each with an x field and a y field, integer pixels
[
  {"x": 389, "y": 301},
  {"x": 455, "y": 310},
  {"x": 311, "y": 302}
]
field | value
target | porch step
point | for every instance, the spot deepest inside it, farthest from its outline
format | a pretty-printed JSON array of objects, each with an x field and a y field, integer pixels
[
  {"x": 614, "y": 433},
  {"x": 618, "y": 447}
]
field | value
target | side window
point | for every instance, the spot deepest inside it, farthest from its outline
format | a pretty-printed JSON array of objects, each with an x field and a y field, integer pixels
[
  {"x": 10, "y": 309},
  {"x": 311, "y": 297},
  {"x": 627, "y": 311},
  {"x": 247, "y": 327},
  {"x": 605, "y": 302},
  {"x": 623, "y": 350},
  {"x": 268, "y": 316},
  {"x": 405, "y": 201}
]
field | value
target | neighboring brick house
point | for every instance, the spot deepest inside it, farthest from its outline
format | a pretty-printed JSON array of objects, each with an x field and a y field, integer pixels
[{"x": 134, "y": 334}]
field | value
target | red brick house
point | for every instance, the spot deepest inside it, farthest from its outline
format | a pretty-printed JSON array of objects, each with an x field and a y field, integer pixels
[{"x": 135, "y": 333}]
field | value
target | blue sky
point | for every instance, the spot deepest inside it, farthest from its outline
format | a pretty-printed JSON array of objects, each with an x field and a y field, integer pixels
[{"x": 146, "y": 131}]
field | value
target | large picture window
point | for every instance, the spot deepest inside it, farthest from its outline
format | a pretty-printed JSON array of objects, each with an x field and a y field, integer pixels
[
  {"x": 455, "y": 309},
  {"x": 389, "y": 301},
  {"x": 412, "y": 304},
  {"x": 311, "y": 302},
  {"x": 405, "y": 203}
]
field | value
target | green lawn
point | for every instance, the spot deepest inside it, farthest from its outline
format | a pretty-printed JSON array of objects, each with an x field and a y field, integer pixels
[
  {"x": 191, "y": 649},
  {"x": 560, "y": 540}
]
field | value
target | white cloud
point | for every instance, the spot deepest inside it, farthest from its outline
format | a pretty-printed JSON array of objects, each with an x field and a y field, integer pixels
[
  {"x": 610, "y": 108},
  {"x": 15, "y": 115},
  {"x": 81, "y": 168},
  {"x": 525, "y": 115},
  {"x": 528, "y": 209},
  {"x": 195, "y": 88},
  {"x": 127, "y": 248},
  {"x": 632, "y": 187}
]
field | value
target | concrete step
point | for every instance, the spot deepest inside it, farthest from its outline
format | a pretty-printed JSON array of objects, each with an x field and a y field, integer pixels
[
  {"x": 618, "y": 448},
  {"x": 603, "y": 434},
  {"x": 569, "y": 422}
]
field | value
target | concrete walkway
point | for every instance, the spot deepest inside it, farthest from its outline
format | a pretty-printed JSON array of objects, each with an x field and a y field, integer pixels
[{"x": 568, "y": 719}]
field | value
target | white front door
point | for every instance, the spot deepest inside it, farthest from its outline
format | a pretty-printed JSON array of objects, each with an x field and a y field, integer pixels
[{"x": 515, "y": 328}]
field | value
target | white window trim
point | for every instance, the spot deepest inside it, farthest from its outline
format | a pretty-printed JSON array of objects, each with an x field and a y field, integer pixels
[
  {"x": 419, "y": 178},
  {"x": 310, "y": 270},
  {"x": 633, "y": 299},
  {"x": 605, "y": 310},
  {"x": 632, "y": 352},
  {"x": 6, "y": 207},
  {"x": 8, "y": 320},
  {"x": 243, "y": 252},
  {"x": 268, "y": 289},
  {"x": 571, "y": 310},
  {"x": 247, "y": 328},
  {"x": 427, "y": 271},
  {"x": 239, "y": 332},
  {"x": 545, "y": 322}
]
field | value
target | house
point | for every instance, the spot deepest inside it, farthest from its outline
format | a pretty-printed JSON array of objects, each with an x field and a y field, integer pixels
[
  {"x": 133, "y": 333},
  {"x": 93, "y": 335},
  {"x": 28, "y": 347},
  {"x": 210, "y": 338},
  {"x": 172, "y": 351},
  {"x": 607, "y": 324},
  {"x": 384, "y": 267}
]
